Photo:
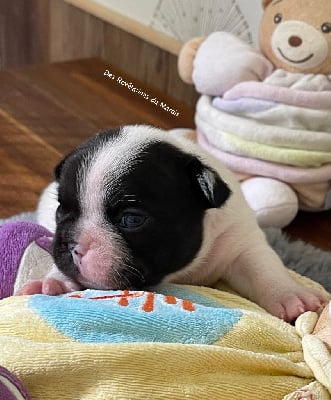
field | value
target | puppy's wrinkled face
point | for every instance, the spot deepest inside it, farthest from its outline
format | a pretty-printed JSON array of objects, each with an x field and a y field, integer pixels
[{"x": 131, "y": 209}]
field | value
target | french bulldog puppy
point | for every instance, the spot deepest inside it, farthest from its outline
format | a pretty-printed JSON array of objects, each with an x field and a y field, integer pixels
[{"x": 137, "y": 206}]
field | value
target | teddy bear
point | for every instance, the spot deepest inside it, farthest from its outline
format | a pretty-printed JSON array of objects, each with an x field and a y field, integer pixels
[{"x": 265, "y": 113}]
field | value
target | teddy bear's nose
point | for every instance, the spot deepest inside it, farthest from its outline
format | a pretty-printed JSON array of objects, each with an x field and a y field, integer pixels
[{"x": 295, "y": 41}]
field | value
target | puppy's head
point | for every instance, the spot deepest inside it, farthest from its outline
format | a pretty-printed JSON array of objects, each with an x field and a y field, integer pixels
[{"x": 131, "y": 208}]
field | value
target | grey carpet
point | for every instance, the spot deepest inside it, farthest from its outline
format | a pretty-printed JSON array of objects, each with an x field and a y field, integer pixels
[
  {"x": 296, "y": 255},
  {"x": 302, "y": 257}
]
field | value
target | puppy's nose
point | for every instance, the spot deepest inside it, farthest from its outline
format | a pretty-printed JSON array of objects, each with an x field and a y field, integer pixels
[
  {"x": 295, "y": 41},
  {"x": 77, "y": 253}
]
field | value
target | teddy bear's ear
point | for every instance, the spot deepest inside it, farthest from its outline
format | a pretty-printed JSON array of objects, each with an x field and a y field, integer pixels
[{"x": 265, "y": 3}]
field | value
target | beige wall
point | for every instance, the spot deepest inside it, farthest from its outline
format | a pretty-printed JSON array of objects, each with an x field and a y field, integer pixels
[{"x": 39, "y": 31}]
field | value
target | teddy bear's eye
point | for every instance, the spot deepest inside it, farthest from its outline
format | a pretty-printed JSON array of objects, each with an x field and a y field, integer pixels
[
  {"x": 277, "y": 18},
  {"x": 326, "y": 27}
]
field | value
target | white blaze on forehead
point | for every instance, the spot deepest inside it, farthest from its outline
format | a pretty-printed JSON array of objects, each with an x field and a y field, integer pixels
[
  {"x": 103, "y": 169},
  {"x": 102, "y": 247}
]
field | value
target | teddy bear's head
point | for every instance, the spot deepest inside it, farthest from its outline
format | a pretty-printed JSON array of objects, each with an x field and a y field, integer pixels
[{"x": 295, "y": 35}]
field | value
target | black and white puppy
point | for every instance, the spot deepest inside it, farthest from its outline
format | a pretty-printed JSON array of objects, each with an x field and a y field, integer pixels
[{"x": 138, "y": 206}]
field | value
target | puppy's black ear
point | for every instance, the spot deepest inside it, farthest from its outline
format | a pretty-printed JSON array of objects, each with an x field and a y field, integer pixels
[
  {"x": 58, "y": 170},
  {"x": 207, "y": 184}
]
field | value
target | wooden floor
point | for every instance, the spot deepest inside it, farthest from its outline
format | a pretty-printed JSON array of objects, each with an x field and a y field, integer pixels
[{"x": 47, "y": 110}]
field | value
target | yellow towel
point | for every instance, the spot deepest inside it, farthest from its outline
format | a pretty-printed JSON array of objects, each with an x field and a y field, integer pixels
[{"x": 174, "y": 342}]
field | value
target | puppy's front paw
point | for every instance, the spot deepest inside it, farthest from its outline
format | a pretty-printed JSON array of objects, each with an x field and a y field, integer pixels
[
  {"x": 49, "y": 286},
  {"x": 289, "y": 304}
]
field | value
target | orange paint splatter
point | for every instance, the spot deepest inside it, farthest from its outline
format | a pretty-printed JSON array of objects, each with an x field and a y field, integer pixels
[
  {"x": 188, "y": 305},
  {"x": 170, "y": 299},
  {"x": 124, "y": 301},
  {"x": 76, "y": 295},
  {"x": 148, "y": 306}
]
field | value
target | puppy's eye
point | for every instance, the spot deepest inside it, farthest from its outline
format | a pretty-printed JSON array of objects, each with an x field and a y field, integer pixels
[
  {"x": 326, "y": 27},
  {"x": 278, "y": 18},
  {"x": 131, "y": 221}
]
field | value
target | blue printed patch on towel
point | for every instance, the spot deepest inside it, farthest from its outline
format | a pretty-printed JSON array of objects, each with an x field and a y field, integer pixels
[{"x": 94, "y": 316}]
